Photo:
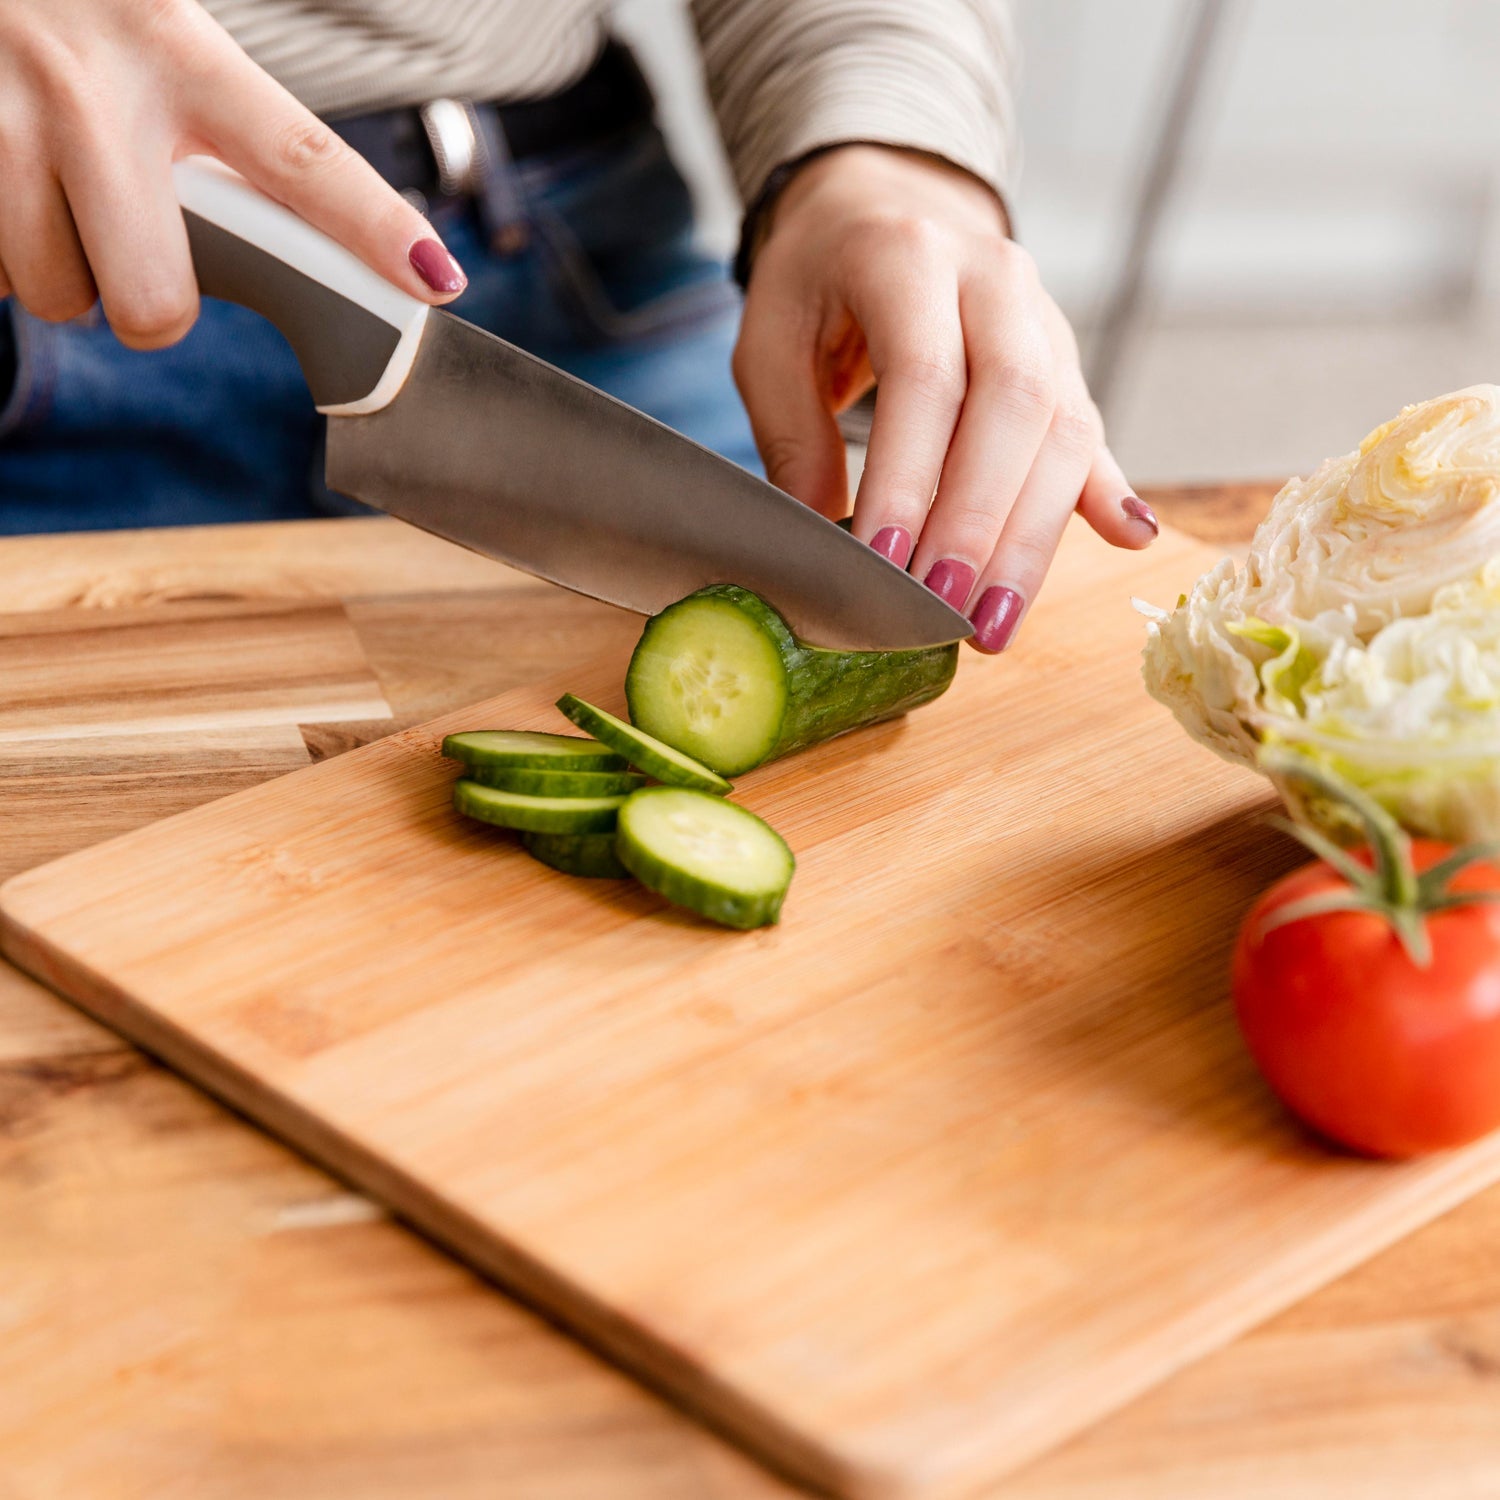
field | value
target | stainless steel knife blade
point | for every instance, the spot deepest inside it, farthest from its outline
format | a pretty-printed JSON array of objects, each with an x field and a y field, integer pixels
[{"x": 489, "y": 447}]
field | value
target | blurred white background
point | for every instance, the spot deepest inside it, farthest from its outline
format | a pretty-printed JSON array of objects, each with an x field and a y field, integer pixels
[{"x": 1328, "y": 249}]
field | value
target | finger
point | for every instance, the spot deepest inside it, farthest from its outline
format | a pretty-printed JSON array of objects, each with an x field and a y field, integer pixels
[
  {"x": 258, "y": 128},
  {"x": 132, "y": 234},
  {"x": 1006, "y": 418},
  {"x": 39, "y": 246},
  {"x": 1013, "y": 576},
  {"x": 907, "y": 307},
  {"x": 795, "y": 431},
  {"x": 1112, "y": 508}
]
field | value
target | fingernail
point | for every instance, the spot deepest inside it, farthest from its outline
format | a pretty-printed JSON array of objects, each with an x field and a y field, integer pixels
[
  {"x": 894, "y": 544},
  {"x": 436, "y": 267},
  {"x": 996, "y": 616},
  {"x": 1138, "y": 510},
  {"x": 951, "y": 581}
]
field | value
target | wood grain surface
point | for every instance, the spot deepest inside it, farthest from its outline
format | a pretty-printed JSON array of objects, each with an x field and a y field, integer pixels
[
  {"x": 189, "y": 1310},
  {"x": 181, "y": 667},
  {"x": 309, "y": 560},
  {"x": 1052, "y": 1286},
  {"x": 279, "y": 1339},
  {"x": 59, "y": 794}
]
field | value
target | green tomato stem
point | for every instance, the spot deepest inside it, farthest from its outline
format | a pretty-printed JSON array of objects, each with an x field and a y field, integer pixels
[
  {"x": 1388, "y": 841},
  {"x": 1393, "y": 889}
]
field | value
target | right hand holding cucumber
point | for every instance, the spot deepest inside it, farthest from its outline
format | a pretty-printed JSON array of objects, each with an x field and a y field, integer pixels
[{"x": 98, "y": 98}]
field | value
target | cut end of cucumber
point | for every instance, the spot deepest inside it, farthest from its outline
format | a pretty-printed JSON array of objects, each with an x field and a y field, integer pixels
[
  {"x": 709, "y": 679},
  {"x": 645, "y": 752},
  {"x": 708, "y": 855}
]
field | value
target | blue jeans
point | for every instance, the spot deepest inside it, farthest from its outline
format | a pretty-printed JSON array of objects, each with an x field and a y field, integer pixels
[{"x": 221, "y": 428}]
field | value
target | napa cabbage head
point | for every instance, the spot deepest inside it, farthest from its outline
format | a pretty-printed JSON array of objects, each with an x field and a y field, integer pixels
[{"x": 1364, "y": 628}]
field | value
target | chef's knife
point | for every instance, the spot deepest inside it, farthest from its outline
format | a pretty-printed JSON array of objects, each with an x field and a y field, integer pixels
[{"x": 464, "y": 435}]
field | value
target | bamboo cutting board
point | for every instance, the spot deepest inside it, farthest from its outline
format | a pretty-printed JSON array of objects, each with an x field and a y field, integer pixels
[{"x": 961, "y": 1156}]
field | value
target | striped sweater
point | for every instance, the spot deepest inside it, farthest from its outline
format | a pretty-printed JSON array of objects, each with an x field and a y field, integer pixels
[{"x": 785, "y": 76}]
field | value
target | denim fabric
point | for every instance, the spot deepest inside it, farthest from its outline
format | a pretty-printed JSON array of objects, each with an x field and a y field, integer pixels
[{"x": 609, "y": 286}]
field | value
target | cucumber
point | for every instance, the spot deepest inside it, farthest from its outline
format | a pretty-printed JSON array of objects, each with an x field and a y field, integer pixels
[
  {"x": 539, "y": 783},
  {"x": 663, "y": 761},
  {"x": 721, "y": 676},
  {"x": 536, "y": 814},
  {"x": 591, "y": 855},
  {"x": 706, "y": 854},
  {"x": 530, "y": 748}
]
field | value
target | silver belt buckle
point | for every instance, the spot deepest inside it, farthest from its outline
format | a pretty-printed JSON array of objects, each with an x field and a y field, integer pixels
[{"x": 457, "y": 146}]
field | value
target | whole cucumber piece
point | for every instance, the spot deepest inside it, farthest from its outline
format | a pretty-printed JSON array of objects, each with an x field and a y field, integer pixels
[{"x": 720, "y": 676}]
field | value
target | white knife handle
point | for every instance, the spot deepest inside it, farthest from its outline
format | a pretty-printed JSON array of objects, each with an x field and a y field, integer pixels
[{"x": 354, "y": 334}]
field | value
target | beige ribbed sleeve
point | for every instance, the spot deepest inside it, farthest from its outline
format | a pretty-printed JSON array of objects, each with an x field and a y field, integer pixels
[
  {"x": 790, "y": 76},
  {"x": 348, "y": 56}
]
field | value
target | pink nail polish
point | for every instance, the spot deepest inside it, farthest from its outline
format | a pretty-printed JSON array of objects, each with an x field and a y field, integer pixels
[
  {"x": 996, "y": 616},
  {"x": 1138, "y": 510},
  {"x": 894, "y": 544},
  {"x": 951, "y": 581},
  {"x": 436, "y": 267}
]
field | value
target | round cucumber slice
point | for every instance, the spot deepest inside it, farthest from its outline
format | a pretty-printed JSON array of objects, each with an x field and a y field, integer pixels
[
  {"x": 539, "y": 783},
  {"x": 706, "y": 854},
  {"x": 527, "y": 747},
  {"x": 591, "y": 855},
  {"x": 652, "y": 756},
  {"x": 535, "y": 814}
]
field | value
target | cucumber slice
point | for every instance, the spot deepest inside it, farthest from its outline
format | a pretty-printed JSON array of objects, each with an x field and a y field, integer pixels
[
  {"x": 527, "y": 747},
  {"x": 536, "y": 814},
  {"x": 538, "y": 783},
  {"x": 721, "y": 676},
  {"x": 706, "y": 854},
  {"x": 645, "y": 753},
  {"x": 591, "y": 855}
]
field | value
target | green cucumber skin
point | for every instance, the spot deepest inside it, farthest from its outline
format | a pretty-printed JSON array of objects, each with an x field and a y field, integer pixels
[
  {"x": 727, "y": 908},
  {"x": 590, "y": 755},
  {"x": 642, "y": 755},
  {"x": 827, "y": 692},
  {"x": 469, "y": 797},
  {"x": 591, "y": 855},
  {"x": 542, "y": 783}
]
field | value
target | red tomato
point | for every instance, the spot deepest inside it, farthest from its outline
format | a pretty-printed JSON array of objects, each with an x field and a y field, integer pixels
[{"x": 1367, "y": 1047}]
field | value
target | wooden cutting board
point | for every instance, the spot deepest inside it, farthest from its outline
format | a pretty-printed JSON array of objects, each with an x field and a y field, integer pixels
[{"x": 962, "y": 1155}]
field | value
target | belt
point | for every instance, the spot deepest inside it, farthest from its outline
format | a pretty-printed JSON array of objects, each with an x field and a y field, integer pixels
[
  {"x": 459, "y": 150},
  {"x": 446, "y": 146}
]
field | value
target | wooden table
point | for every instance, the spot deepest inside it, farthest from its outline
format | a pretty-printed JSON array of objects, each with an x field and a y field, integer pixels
[{"x": 188, "y": 1309}]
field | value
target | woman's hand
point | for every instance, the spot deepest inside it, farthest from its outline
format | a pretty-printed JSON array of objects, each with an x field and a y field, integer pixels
[
  {"x": 883, "y": 265},
  {"x": 98, "y": 98}
]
